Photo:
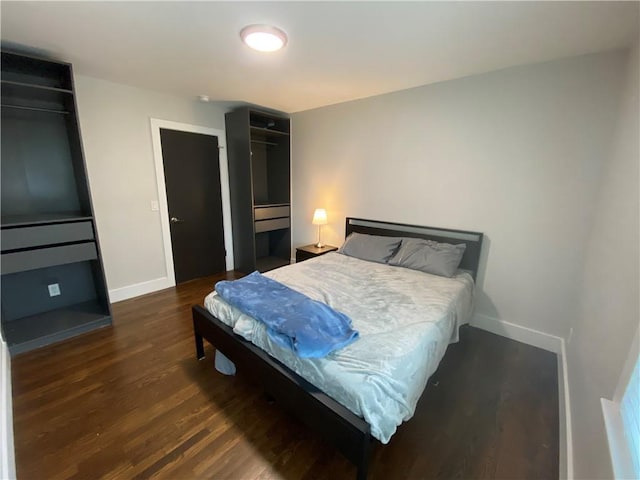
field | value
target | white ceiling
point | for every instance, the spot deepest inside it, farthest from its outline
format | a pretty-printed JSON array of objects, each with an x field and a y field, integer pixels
[{"x": 337, "y": 51}]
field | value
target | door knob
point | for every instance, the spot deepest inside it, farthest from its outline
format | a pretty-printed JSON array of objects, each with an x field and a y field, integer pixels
[{"x": 175, "y": 220}]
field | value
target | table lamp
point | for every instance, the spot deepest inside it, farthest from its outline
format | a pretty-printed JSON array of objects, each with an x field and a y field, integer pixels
[{"x": 319, "y": 218}]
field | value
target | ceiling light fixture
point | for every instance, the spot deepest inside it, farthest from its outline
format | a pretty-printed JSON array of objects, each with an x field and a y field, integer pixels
[{"x": 263, "y": 38}]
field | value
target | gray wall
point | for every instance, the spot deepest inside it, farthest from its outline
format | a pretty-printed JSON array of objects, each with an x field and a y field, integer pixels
[
  {"x": 517, "y": 154},
  {"x": 116, "y": 134},
  {"x": 609, "y": 312}
]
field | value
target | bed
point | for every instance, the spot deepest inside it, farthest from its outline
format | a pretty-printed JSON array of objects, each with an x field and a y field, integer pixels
[{"x": 360, "y": 393}]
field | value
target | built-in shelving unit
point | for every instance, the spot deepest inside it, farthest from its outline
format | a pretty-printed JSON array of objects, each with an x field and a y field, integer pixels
[
  {"x": 259, "y": 158},
  {"x": 53, "y": 284}
]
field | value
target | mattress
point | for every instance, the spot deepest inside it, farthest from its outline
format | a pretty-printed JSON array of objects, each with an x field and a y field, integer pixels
[{"x": 406, "y": 320}]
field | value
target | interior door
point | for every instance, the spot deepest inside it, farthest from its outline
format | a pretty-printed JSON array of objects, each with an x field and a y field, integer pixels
[{"x": 192, "y": 180}]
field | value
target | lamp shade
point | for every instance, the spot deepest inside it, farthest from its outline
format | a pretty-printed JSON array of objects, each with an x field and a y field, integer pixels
[{"x": 319, "y": 217}]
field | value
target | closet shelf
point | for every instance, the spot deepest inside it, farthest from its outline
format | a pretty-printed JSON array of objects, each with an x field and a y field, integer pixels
[
  {"x": 269, "y": 131},
  {"x": 264, "y": 205},
  {"x": 35, "y": 86},
  {"x": 35, "y": 331},
  {"x": 36, "y": 109},
  {"x": 262, "y": 142}
]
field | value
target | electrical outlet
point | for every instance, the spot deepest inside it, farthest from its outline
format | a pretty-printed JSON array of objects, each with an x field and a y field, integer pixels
[
  {"x": 570, "y": 335},
  {"x": 154, "y": 206},
  {"x": 54, "y": 289}
]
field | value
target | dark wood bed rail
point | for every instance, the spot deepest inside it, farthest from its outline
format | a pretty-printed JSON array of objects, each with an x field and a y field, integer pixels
[{"x": 341, "y": 427}]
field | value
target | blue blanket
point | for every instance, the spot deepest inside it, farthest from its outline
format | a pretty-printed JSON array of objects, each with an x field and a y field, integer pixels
[{"x": 310, "y": 328}]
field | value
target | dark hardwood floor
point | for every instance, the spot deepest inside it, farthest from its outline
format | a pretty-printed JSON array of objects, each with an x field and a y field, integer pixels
[{"x": 131, "y": 401}]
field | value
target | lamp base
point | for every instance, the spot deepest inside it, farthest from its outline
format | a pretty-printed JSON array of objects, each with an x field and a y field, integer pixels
[{"x": 319, "y": 245}]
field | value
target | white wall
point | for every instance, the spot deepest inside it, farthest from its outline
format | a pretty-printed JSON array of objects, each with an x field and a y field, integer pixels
[
  {"x": 516, "y": 154},
  {"x": 609, "y": 311},
  {"x": 116, "y": 134}
]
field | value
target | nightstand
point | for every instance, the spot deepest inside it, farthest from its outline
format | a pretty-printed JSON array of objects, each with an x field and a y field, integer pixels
[{"x": 311, "y": 251}]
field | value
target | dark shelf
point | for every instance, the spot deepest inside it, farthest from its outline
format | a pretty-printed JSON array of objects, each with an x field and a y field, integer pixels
[
  {"x": 264, "y": 264},
  {"x": 35, "y": 331},
  {"x": 35, "y": 86},
  {"x": 263, "y": 205},
  {"x": 266, "y": 122},
  {"x": 36, "y": 109},
  {"x": 269, "y": 131},
  {"x": 261, "y": 142},
  {"x": 36, "y": 71},
  {"x": 41, "y": 219},
  {"x": 268, "y": 136},
  {"x": 34, "y": 92},
  {"x": 36, "y": 97}
]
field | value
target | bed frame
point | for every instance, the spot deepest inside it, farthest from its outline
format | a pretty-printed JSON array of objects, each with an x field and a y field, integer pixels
[{"x": 346, "y": 431}]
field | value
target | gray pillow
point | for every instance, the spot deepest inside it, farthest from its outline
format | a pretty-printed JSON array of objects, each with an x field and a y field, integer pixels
[
  {"x": 373, "y": 248},
  {"x": 429, "y": 256}
]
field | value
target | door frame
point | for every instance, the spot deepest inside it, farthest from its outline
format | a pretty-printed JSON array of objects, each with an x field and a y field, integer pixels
[{"x": 163, "y": 206}]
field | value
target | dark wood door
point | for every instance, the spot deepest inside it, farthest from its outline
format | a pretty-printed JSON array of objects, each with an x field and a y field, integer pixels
[{"x": 192, "y": 179}]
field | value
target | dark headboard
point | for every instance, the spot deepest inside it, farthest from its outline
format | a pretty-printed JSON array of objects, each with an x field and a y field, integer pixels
[{"x": 473, "y": 240}]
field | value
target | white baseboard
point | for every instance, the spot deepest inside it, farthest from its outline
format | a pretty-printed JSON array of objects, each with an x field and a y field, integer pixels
[
  {"x": 130, "y": 291},
  {"x": 518, "y": 333},
  {"x": 7, "y": 459},
  {"x": 566, "y": 436},
  {"x": 553, "y": 344}
]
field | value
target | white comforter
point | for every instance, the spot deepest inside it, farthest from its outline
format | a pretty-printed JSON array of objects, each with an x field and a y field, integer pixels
[{"x": 405, "y": 318}]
